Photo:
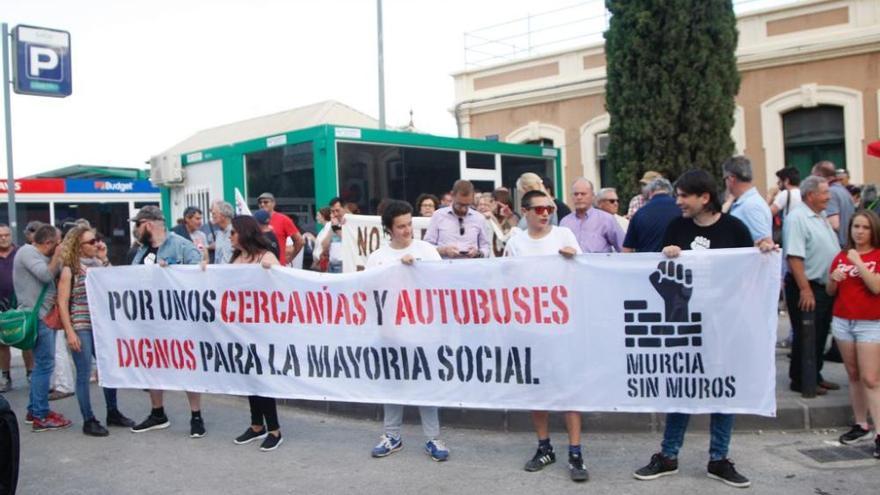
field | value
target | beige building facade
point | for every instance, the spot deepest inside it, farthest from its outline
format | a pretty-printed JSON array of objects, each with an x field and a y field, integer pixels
[{"x": 810, "y": 90}]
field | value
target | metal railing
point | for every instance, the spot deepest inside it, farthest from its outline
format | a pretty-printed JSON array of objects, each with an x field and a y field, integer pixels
[{"x": 575, "y": 25}]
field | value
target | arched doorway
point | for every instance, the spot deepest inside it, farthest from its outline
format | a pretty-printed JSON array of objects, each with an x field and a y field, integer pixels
[
  {"x": 812, "y": 96},
  {"x": 814, "y": 134}
]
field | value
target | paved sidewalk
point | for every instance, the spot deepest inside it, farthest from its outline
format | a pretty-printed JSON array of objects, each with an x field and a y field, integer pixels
[{"x": 330, "y": 454}]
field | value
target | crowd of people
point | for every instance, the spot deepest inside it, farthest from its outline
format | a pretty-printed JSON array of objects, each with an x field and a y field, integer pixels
[{"x": 829, "y": 235}]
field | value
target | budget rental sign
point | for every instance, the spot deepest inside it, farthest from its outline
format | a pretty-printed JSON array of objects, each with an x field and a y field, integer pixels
[{"x": 41, "y": 64}]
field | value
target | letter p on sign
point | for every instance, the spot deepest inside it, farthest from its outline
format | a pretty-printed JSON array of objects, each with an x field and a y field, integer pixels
[{"x": 43, "y": 62}]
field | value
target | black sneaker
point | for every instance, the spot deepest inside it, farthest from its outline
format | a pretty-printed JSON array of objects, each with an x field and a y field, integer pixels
[
  {"x": 542, "y": 458},
  {"x": 152, "y": 423},
  {"x": 93, "y": 428},
  {"x": 196, "y": 428},
  {"x": 271, "y": 442},
  {"x": 116, "y": 418},
  {"x": 855, "y": 434},
  {"x": 877, "y": 447},
  {"x": 724, "y": 472},
  {"x": 250, "y": 435},
  {"x": 660, "y": 465},
  {"x": 576, "y": 468}
]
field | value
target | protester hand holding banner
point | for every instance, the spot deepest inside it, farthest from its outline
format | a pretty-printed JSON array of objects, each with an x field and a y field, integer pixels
[{"x": 601, "y": 332}]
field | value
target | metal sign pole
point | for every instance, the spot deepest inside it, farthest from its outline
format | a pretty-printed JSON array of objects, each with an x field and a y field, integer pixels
[
  {"x": 7, "y": 104},
  {"x": 381, "y": 66}
]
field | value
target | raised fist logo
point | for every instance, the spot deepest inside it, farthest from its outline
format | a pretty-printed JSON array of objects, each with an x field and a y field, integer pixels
[{"x": 674, "y": 283}]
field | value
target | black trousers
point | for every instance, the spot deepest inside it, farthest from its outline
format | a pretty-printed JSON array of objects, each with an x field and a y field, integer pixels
[
  {"x": 264, "y": 408},
  {"x": 824, "y": 304}
]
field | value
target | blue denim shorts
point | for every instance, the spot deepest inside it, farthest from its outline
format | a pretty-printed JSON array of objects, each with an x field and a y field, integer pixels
[{"x": 856, "y": 330}]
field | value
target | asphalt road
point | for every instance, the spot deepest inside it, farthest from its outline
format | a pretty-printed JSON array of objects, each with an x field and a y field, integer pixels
[{"x": 325, "y": 454}]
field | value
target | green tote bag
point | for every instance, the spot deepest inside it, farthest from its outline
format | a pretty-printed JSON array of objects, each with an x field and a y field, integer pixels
[{"x": 18, "y": 327}]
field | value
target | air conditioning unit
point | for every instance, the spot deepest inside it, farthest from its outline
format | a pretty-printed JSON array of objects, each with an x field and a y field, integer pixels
[{"x": 166, "y": 170}]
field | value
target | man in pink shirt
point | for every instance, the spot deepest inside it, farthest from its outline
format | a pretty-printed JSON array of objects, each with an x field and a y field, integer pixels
[{"x": 283, "y": 227}]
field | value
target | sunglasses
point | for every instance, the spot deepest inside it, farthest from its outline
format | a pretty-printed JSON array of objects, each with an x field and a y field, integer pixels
[
  {"x": 232, "y": 232},
  {"x": 612, "y": 200},
  {"x": 460, "y": 226},
  {"x": 92, "y": 242},
  {"x": 542, "y": 210}
]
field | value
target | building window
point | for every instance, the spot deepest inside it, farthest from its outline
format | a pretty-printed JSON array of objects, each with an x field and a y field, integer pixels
[
  {"x": 812, "y": 135},
  {"x": 607, "y": 173},
  {"x": 288, "y": 172},
  {"x": 546, "y": 142}
]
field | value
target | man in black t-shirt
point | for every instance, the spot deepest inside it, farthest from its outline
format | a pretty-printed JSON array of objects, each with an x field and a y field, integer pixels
[{"x": 702, "y": 226}]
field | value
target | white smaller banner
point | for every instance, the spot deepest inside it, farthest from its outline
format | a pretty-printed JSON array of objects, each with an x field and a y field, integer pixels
[
  {"x": 363, "y": 234},
  {"x": 241, "y": 207}
]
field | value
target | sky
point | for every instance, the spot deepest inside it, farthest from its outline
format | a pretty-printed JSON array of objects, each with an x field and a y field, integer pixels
[{"x": 149, "y": 74}]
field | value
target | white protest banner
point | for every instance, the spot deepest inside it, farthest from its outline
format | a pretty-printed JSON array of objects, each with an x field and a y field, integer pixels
[
  {"x": 363, "y": 234},
  {"x": 601, "y": 332}
]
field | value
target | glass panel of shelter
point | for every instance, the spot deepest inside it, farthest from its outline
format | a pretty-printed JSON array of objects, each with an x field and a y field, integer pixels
[
  {"x": 288, "y": 172},
  {"x": 368, "y": 173}
]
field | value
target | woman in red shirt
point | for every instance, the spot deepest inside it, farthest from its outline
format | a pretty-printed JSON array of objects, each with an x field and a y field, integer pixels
[{"x": 855, "y": 279}]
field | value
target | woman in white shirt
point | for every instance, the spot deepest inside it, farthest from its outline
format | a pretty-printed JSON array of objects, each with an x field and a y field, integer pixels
[{"x": 397, "y": 222}]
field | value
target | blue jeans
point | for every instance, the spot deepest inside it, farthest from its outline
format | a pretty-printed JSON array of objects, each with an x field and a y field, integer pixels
[
  {"x": 44, "y": 365},
  {"x": 720, "y": 428},
  {"x": 83, "y": 362}
]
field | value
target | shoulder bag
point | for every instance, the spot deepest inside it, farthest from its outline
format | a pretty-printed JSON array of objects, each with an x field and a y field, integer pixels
[{"x": 18, "y": 327}]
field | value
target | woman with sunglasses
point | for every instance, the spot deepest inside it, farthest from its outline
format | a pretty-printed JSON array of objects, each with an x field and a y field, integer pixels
[
  {"x": 79, "y": 251},
  {"x": 855, "y": 323},
  {"x": 397, "y": 222},
  {"x": 250, "y": 247}
]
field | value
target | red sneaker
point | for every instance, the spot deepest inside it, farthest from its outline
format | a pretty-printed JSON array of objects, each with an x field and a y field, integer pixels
[
  {"x": 53, "y": 414},
  {"x": 51, "y": 422}
]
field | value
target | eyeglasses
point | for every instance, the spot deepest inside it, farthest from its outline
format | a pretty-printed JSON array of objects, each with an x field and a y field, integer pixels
[
  {"x": 541, "y": 210},
  {"x": 91, "y": 242},
  {"x": 460, "y": 226}
]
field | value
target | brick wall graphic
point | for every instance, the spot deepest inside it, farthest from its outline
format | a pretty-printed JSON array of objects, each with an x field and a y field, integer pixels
[{"x": 676, "y": 326}]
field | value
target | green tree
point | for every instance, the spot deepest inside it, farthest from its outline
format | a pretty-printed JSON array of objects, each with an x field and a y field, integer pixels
[{"x": 672, "y": 80}]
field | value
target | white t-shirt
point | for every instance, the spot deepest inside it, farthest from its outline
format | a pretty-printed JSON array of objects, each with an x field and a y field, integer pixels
[
  {"x": 523, "y": 244},
  {"x": 386, "y": 255},
  {"x": 296, "y": 262},
  {"x": 782, "y": 197}
]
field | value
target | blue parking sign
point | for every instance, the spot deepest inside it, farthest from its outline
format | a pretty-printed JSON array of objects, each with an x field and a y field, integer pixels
[{"x": 41, "y": 65}]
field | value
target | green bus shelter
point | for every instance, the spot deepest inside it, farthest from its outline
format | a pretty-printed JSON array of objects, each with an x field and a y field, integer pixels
[{"x": 305, "y": 168}]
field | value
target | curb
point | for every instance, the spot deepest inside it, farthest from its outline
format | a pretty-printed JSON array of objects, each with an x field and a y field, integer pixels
[{"x": 794, "y": 414}]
